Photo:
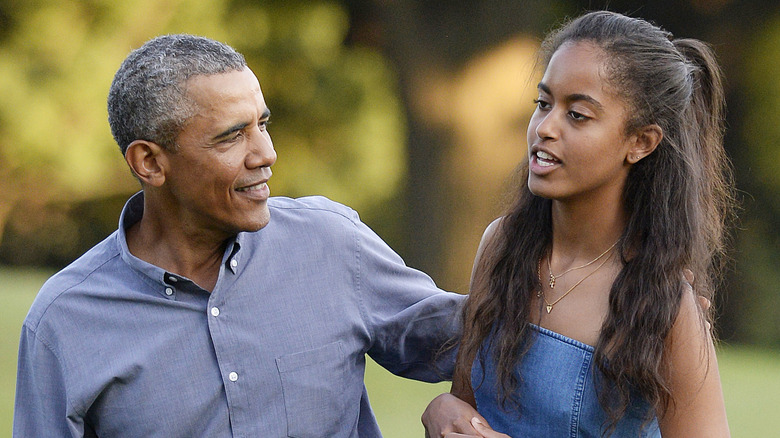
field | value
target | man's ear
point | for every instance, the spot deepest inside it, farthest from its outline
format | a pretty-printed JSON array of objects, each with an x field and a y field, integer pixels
[
  {"x": 646, "y": 140},
  {"x": 147, "y": 161}
]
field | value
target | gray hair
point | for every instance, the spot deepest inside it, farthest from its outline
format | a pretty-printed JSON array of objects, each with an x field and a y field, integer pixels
[{"x": 147, "y": 96}]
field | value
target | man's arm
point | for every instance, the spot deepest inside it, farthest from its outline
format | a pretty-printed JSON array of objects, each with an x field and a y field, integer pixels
[
  {"x": 41, "y": 403},
  {"x": 408, "y": 317}
]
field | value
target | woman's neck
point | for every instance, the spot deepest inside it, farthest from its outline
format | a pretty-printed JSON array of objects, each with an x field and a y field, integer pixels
[{"x": 582, "y": 230}]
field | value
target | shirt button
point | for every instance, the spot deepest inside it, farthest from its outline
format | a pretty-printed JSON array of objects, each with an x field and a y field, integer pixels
[
  {"x": 168, "y": 291},
  {"x": 234, "y": 263},
  {"x": 215, "y": 311},
  {"x": 172, "y": 279},
  {"x": 233, "y": 376}
]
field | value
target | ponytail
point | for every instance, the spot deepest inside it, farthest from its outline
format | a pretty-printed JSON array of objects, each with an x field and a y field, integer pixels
[{"x": 708, "y": 161}]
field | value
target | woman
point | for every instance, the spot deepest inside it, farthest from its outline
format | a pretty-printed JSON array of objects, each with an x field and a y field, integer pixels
[{"x": 579, "y": 321}]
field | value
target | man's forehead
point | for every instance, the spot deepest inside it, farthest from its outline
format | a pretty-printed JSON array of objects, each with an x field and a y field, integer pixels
[{"x": 220, "y": 87}]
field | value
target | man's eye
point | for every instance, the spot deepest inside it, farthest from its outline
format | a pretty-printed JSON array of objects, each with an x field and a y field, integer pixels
[{"x": 234, "y": 138}]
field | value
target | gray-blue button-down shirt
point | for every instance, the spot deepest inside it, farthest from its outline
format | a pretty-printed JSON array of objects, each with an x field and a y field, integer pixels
[{"x": 114, "y": 346}]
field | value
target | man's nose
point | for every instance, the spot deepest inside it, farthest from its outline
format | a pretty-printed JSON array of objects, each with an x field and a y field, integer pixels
[{"x": 261, "y": 152}]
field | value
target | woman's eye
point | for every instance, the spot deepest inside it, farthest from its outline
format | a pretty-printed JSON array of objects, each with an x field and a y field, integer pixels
[
  {"x": 577, "y": 116},
  {"x": 541, "y": 104}
]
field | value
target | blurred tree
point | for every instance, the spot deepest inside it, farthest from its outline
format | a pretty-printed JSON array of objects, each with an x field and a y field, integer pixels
[
  {"x": 434, "y": 45},
  {"x": 411, "y": 111},
  {"x": 463, "y": 67},
  {"x": 756, "y": 300},
  {"x": 340, "y": 131}
]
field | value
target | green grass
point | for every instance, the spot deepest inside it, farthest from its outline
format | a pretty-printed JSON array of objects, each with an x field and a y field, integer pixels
[
  {"x": 751, "y": 385},
  {"x": 17, "y": 290},
  {"x": 750, "y": 376}
]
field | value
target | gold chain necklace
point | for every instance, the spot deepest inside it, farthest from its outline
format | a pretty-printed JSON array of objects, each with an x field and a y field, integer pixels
[
  {"x": 540, "y": 293},
  {"x": 553, "y": 277}
]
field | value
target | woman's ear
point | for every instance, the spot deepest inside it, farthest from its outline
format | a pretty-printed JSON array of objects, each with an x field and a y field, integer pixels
[
  {"x": 147, "y": 161},
  {"x": 646, "y": 140}
]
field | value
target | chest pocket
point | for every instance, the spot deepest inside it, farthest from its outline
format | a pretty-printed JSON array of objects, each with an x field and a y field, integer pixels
[{"x": 313, "y": 384}]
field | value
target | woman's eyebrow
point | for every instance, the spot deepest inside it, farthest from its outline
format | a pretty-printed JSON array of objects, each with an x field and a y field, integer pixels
[{"x": 575, "y": 97}]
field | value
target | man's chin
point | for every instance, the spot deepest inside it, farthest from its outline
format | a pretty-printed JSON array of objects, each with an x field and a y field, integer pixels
[{"x": 258, "y": 222}]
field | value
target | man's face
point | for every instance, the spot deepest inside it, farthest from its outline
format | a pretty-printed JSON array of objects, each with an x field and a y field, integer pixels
[{"x": 216, "y": 177}]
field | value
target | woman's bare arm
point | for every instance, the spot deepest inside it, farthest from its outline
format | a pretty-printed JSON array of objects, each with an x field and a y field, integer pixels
[{"x": 698, "y": 408}]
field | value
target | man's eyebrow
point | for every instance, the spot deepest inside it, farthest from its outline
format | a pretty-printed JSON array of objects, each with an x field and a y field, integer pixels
[
  {"x": 573, "y": 97},
  {"x": 239, "y": 126},
  {"x": 235, "y": 128}
]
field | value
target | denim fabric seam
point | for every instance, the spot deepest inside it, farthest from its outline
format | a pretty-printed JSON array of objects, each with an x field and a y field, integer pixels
[
  {"x": 580, "y": 389},
  {"x": 565, "y": 339}
]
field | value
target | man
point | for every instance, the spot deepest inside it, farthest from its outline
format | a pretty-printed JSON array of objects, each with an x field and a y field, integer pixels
[{"x": 215, "y": 310}]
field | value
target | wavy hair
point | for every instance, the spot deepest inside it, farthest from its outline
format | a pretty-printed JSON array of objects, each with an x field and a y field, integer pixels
[{"x": 678, "y": 201}]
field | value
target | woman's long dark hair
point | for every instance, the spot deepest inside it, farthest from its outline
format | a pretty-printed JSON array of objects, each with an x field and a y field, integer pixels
[{"x": 678, "y": 200}]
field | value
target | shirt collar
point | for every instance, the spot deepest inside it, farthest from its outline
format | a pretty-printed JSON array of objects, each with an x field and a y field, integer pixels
[{"x": 164, "y": 282}]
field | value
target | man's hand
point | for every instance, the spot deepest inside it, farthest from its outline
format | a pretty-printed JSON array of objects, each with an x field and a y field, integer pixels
[
  {"x": 484, "y": 430},
  {"x": 704, "y": 303},
  {"x": 449, "y": 416}
]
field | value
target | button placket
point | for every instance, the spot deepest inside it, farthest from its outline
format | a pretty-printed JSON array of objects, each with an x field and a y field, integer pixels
[{"x": 170, "y": 282}]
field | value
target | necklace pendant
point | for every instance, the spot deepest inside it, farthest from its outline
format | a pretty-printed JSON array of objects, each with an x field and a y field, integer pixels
[
  {"x": 552, "y": 281},
  {"x": 549, "y": 308}
]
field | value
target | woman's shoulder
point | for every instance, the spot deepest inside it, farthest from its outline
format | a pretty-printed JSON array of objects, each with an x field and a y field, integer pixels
[
  {"x": 488, "y": 237},
  {"x": 491, "y": 231}
]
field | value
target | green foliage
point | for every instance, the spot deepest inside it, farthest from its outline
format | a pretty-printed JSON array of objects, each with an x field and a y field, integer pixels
[
  {"x": 337, "y": 122},
  {"x": 758, "y": 302},
  {"x": 762, "y": 126},
  {"x": 338, "y": 127}
]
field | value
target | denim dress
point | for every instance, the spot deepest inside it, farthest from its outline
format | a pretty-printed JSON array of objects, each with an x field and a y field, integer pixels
[{"x": 557, "y": 394}]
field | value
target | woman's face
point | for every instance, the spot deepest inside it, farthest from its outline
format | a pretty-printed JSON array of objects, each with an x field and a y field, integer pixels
[{"x": 577, "y": 147}]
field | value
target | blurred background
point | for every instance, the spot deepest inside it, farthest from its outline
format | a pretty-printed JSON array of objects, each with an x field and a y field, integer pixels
[{"x": 412, "y": 112}]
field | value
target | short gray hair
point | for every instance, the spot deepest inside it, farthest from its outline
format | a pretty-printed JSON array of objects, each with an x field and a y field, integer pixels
[{"x": 147, "y": 97}]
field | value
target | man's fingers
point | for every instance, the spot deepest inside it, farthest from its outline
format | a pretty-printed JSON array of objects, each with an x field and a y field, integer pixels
[
  {"x": 704, "y": 303},
  {"x": 447, "y": 414},
  {"x": 688, "y": 274},
  {"x": 485, "y": 430}
]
